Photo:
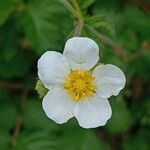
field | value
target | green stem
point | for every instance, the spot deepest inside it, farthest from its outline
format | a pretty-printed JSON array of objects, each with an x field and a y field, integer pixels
[
  {"x": 79, "y": 28},
  {"x": 80, "y": 18},
  {"x": 70, "y": 8},
  {"x": 118, "y": 50},
  {"x": 74, "y": 8}
]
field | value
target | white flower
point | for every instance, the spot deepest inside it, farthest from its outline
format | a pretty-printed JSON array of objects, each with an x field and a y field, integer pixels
[{"x": 74, "y": 89}]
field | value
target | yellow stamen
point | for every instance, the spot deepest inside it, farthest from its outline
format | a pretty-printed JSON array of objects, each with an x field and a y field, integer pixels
[{"x": 80, "y": 85}]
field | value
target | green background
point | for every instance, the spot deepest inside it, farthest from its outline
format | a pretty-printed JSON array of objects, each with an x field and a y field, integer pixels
[{"x": 28, "y": 28}]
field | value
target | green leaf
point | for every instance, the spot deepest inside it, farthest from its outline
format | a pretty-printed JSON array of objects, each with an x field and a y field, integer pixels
[
  {"x": 138, "y": 21},
  {"x": 5, "y": 141},
  {"x": 8, "y": 116},
  {"x": 8, "y": 42},
  {"x": 92, "y": 20},
  {"x": 68, "y": 136},
  {"x": 137, "y": 142},
  {"x": 73, "y": 138},
  {"x": 6, "y": 8},
  {"x": 121, "y": 119},
  {"x": 16, "y": 69},
  {"x": 43, "y": 24},
  {"x": 41, "y": 140},
  {"x": 100, "y": 23},
  {"x": 129, "y": 37},
  {"x": 85, "y": 3},
  {"x": 34, "y": 117},
  {"x": 80, "y": 139},
  {"x": 145, "y": 113},
  {"x": 139, "y": 67}
]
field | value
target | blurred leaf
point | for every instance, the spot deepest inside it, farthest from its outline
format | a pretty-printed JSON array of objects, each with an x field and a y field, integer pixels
[
  {"x": 85, "y": 3},
  {"x": 129, "y": 37},
  {"x": 138, "y": 21},
  {"x": 121, "y": 119},
  {"x": 8, "y": 42},
  {"x": 69, "y": 137},
  {"x": 34, "y": 117},
  {"x": 16, "y": 69},
  {"x": 6, "y": 8},
  {"x": 79, "y": 139},
  {"x": 137, "y": 142},
  {"x": 4, "y": 97},
  {"x": 8, "y": 117},
  {"x": 5, "y": 141},
  {"x": 108, "y": 6},
  {"x": 145, "y": 113},
  {"x": 36, "y": 141},
  {"x": 43, "y": 29},
  {"x": 139, "y": 67}
]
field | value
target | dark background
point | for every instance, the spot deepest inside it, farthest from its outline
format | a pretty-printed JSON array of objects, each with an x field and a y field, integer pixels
[{"x": 28, "y": 28}]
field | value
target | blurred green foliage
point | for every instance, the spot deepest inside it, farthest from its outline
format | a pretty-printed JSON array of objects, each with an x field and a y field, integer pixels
[{"x": 28, "y": 28}]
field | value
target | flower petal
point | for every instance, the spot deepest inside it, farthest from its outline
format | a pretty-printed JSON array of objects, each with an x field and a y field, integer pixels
[
  {"x": 52, "y": 68},
  {"x": 109, "y": 79},
  {"x": 58, "y": 105},
  {"x": 81, "y": 52},
  {"x": 93, "y": 112}
]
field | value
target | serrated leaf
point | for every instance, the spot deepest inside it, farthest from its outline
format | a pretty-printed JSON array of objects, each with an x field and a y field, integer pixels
[
  {"x": 100, "y": 23},
  {"x": 94, "y": 19},
  {"x": 43, "y": 24}
]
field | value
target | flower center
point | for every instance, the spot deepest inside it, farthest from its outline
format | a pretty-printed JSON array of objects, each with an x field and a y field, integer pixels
[{"x": 80, "y": 84}]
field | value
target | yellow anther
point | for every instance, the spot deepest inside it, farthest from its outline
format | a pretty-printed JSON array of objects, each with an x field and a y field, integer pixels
[{"x": 80, "y": 85}]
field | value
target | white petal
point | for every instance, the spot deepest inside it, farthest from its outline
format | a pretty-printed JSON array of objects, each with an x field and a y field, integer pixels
[
  {"x": 81, "y": 52},
  {"x": 109, "y": 80},
  {"x": 93, "y": 112},
  {"x": 52, "y": 68},
  {"x": 58, "y": 105}
]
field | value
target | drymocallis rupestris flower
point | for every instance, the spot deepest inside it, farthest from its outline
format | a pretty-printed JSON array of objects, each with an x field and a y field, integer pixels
[{"x": 76, "y": 87}]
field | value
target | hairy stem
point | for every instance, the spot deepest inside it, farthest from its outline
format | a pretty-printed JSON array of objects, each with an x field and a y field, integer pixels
[
  {"x": 17, "y": 129},
  {"x": 137, "y": 54},
  {"x": 118, "y": 50},
  {"x": 79, "y": 28},
  {"x": 80, "y": 25},
  {"x": 18, "y": 124}
]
